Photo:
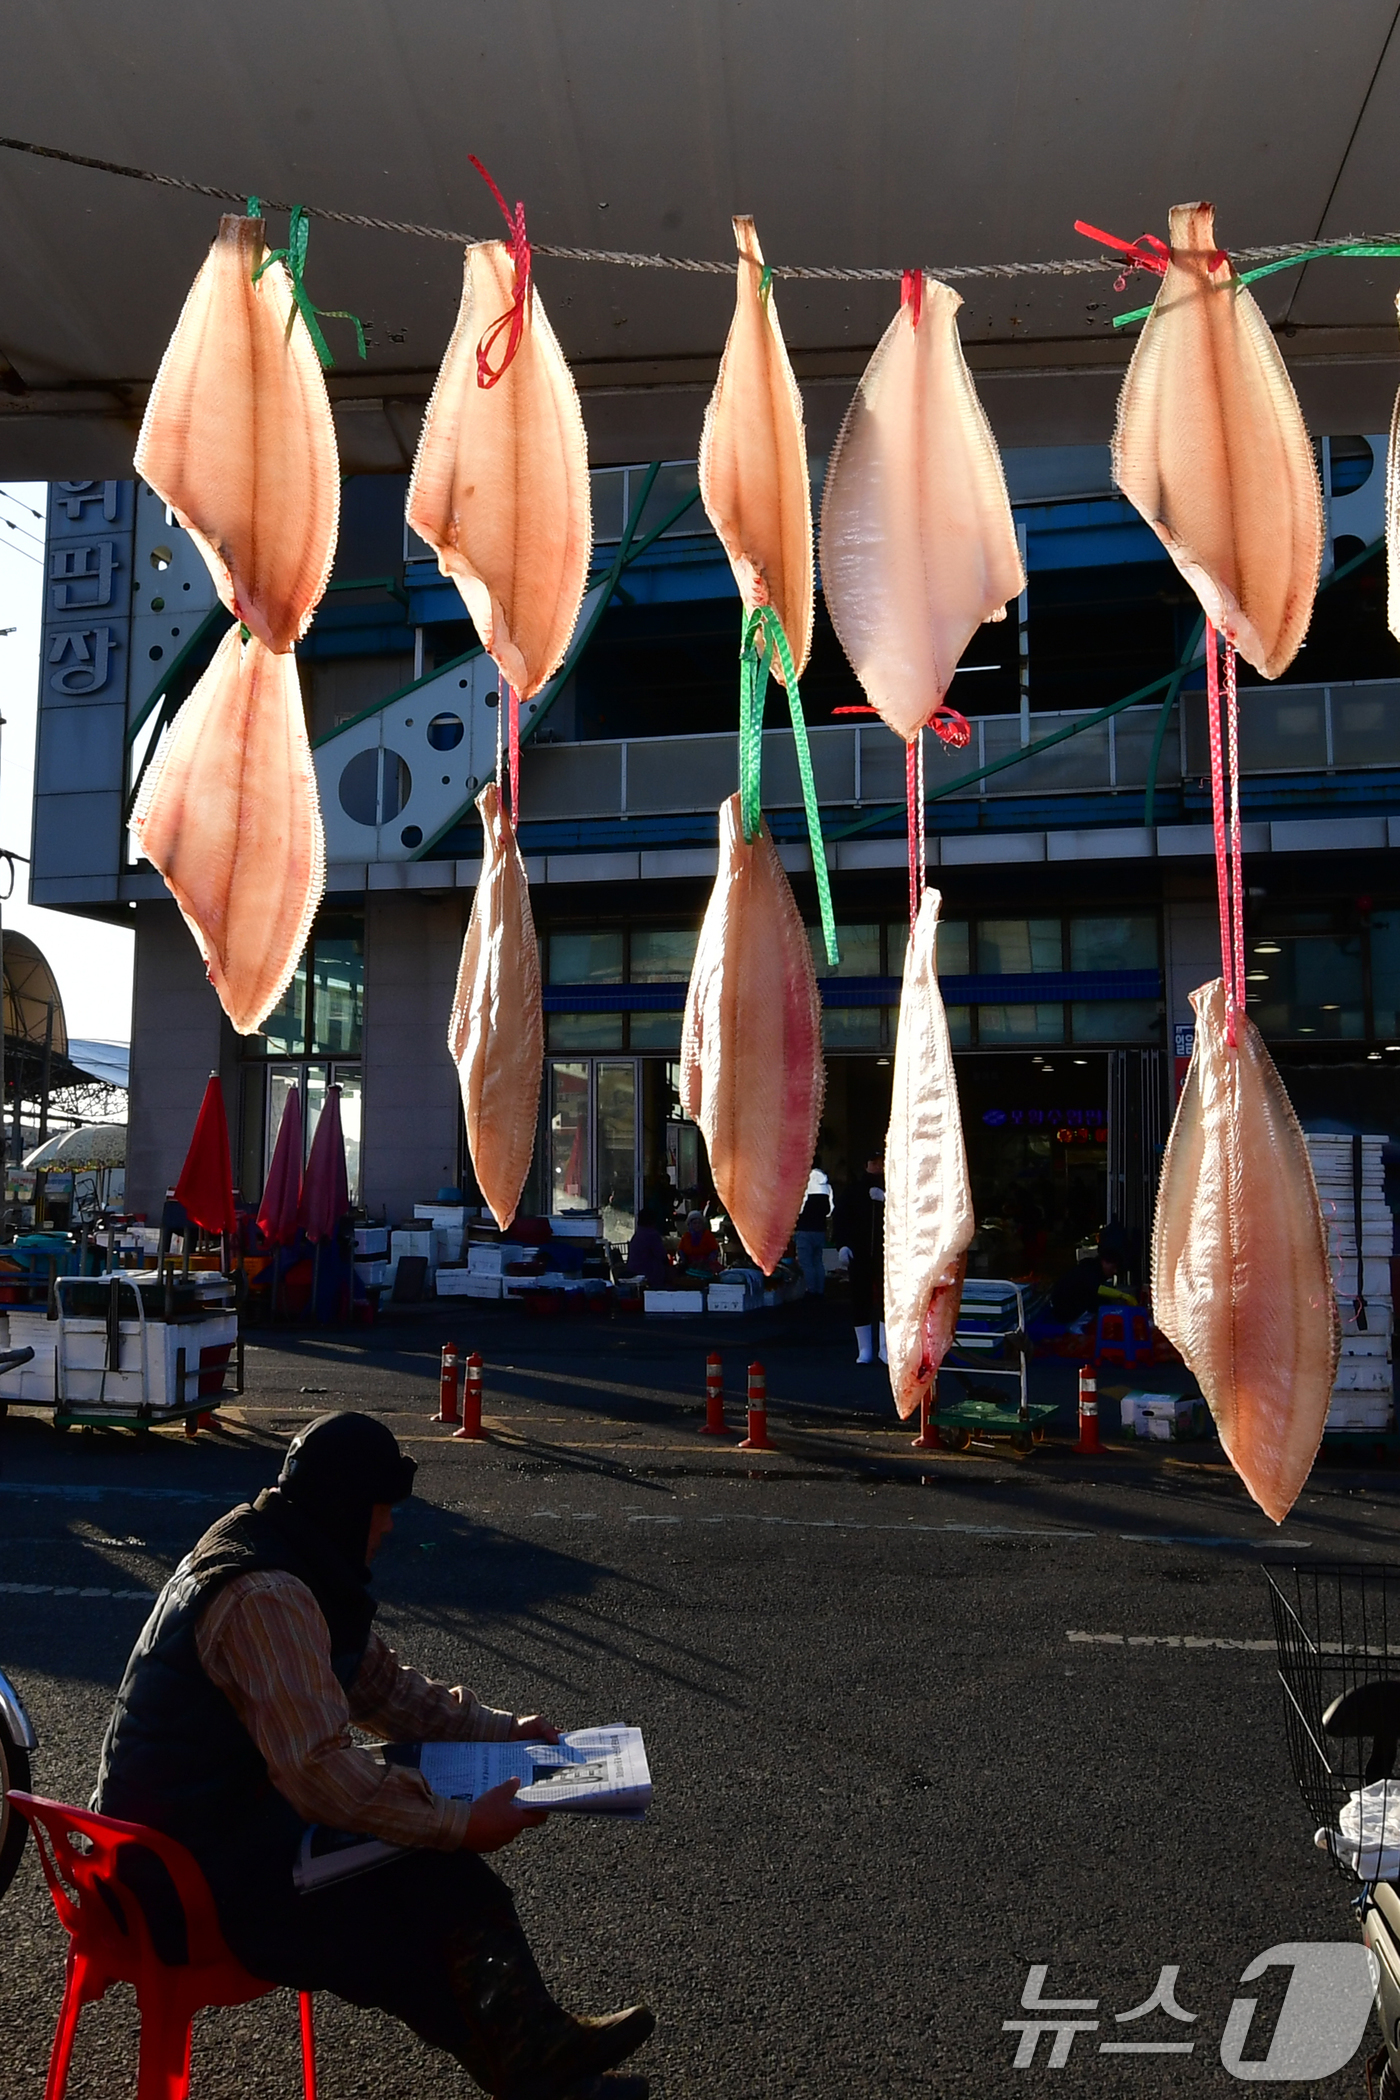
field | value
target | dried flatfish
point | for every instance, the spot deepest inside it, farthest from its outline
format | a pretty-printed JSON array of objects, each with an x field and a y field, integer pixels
[
  {"x": 1212, "y": 449},
  {"x": 751, "y": 1050},
  {"x": 918, "y": 546},
  {"x": 230, "y": 815},
  {"x": 496, "y": 1033},
  {"x": 928, "y": 1201},
  {"x": 753, "y": 460},
  {"x": 500, "y": 486},
  {"x": 1240, "y": 1278},
  {"x": 238, "y": 440}
]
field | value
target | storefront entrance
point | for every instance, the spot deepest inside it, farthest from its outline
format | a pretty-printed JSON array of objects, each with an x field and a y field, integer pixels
[{"x": 590, "y": 1152}]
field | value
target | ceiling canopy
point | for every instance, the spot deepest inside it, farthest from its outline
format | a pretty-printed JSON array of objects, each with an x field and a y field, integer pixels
[{"x": 857, "y": 132}]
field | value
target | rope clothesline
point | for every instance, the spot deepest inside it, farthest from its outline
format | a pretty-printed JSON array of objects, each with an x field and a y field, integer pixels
[{"x": 1281, "y": 255}]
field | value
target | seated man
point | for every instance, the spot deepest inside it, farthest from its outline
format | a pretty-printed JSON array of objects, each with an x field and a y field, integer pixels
[
  {"x": 698, "y": 1252},
  {"x": 646, "y": 1252},
  {"x": 231, "y": 1732}
]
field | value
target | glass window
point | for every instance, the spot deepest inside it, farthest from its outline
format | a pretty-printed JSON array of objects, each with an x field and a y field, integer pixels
[
  {"x": 585, "y": 1031},
  {"x": 347, "y": 1078},
  {"x": 954, "y": 947},
  {"x": 1306, "y": 984},
  {"x": 569, "y": 1182},
  {"x": 851, "y": 1027},
  {"x": 659, "y": 956},
  {"x": 284, "y": 1030},
  {"x": 585, "y": 958},
  {"x": 959, "y": 1026},
  {"x": 656, "y": 1031},
  {"x": 338, "y": 992},
  {"x": 1116, "y": 1021},
  {"x": 1127, "y": 943},
  {"x": 1010, "y": 947},
  {"x": 1385, "y": 971},
  {"x": 1021, "y": 1024},
  {"x": 859, "y": 948},
  {"x": 617, "y": 1150}
]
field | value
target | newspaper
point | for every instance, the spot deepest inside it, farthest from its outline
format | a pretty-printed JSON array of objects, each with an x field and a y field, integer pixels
[{"x": 592, "y": 1771}]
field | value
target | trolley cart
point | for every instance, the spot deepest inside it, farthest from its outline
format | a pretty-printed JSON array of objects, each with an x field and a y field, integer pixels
[
  {"x": 129, "y": 1351},
  {"x": 990, "y": 1341}
]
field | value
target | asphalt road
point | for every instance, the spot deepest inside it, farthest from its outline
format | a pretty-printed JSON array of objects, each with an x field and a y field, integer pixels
[{"x": 888, "y": 1777}]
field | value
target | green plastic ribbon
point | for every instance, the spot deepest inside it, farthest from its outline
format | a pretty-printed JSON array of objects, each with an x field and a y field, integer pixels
[
  {"x": 762, "y": 626},
  {"x": 1288, "y": 262},
  {"x": 294, "y": 256}
]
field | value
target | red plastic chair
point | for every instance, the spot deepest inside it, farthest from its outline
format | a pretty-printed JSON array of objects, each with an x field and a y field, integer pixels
[{"x": 109, "y": 1942}]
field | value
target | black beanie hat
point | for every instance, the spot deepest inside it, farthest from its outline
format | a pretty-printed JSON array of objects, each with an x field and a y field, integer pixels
[{"x": 337, "y": 1470}]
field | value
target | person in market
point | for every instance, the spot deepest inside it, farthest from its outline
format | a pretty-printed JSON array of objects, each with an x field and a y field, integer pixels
[
  {"x": 1092, "y": 1283},
  {"x": 809, "y": 1233},
  {"x": 698, "y": 1252},
  {"x": 858, "y": 1229},
  {"x": 646, "y": 1252},
  {"x": 231, "y": 1732}
]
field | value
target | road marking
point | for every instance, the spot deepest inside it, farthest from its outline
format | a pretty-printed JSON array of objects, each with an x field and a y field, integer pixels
[
  {"x": 49, "y": 1589},
  {"x": 1193, "y": 1538},
  {"x": 1169, "y": 1640},
  {"x": 68, "y": 1491},
  {"x": 976, "y": 1531}
]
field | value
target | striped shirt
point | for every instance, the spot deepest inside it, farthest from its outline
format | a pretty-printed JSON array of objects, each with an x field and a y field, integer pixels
[{"x": 265, "y": 1643}]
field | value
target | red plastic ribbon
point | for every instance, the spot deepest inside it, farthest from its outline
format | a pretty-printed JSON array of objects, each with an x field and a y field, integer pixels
[
  {"x": 1228, "y": 850},
  {"x": 512, "y": 321},
  {"x": 852, "y": 711},
  {"x": 1145, "y": 253},
  {"x": 911, "y": 294},
  {"x": 913, "y": 815},
  {"x": 953, "y": 728},
  {"x": 514, "y": 757}
]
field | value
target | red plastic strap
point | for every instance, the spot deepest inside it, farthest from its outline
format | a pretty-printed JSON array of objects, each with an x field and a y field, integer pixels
[
  {"x": 911, "y": 813},
  {"x": 911, "y": 294},
  {"x": 514, "y": 756},
  {"x": 513, "y": 319},
  {"x": 1146, "y": 252},
  {"x": 1228, "y": 853},
  {"x": 953, "y": 728},
  {"x": 1232, "y": 732}
]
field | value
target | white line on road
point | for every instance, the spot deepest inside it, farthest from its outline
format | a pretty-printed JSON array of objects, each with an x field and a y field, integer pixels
[
  {"x": 1169, "y": 1640},
  {"x": 73, "y": 1491},
  {"x": 50, "y": 1589}
]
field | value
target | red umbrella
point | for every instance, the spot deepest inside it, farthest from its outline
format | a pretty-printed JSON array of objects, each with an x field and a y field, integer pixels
[
  {"x": 281, "y": 1203},
  {"x": 205, "y": 1187},
  {"x": 325, "y": 1193}
]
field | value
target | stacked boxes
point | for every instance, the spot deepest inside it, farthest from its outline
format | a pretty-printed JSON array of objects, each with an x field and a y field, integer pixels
[{"x": 1359, "y": 1247}]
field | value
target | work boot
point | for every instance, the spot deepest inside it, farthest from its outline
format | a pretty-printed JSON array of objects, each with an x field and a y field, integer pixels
[
  {"x": 865, "y": 1354},
  {"x": 519, "y": 2044},
  {"x": 884, "y": 1350}
]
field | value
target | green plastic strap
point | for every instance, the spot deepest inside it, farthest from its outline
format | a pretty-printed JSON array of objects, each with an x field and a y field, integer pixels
[
  {"x": 1288, "y": 262},
  {"x": 761, "y": 625},
  {"x": 294, "y": 256}
]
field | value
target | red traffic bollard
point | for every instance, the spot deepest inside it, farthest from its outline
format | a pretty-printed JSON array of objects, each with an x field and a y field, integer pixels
[
  {"x": 928, "y": 1438},
  {"x": 471, "y": 1427},
  {"x": 447, "y": 1385},
  {"x": 1088, "y": 1445},
  {"x": 715, "y": 1424},
  {"x": 757, "y": 1438}
]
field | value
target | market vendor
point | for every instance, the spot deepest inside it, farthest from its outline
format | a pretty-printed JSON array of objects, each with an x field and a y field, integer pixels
[
  {"x": 646, "y": 1251},
  {"x": 231, "y": 1732},
  {"x": 698, "y": 1252},
  {"x": 1091, "y": 1284}
]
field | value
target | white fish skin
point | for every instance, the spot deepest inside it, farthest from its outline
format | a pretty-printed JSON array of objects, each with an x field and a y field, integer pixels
[
  {"x": 928, "y": 1199},
  {"x": 753, "y": 461},
  {"x": 496, "y": 1033},
  {"x": 230, "y": 815},
  {"x": 918, "y": 545},
  {"x": 1212, "y": 449},
  {"x": 751, "y": 1046},
  {"x": 238, "y": 439},
  {"x": 1240, "y": 1278},
  {"x": 500, "y": 485}
]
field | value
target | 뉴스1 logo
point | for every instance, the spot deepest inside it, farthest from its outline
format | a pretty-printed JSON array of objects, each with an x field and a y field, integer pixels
[{"x": 1318, "y": 2031}]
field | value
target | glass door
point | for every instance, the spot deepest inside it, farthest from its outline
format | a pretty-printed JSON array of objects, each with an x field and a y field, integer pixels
[
  {"x": 591, "y": 1148},
  {"x": 615, "y": 1086},
  {"x": 570, "y": 1149}
]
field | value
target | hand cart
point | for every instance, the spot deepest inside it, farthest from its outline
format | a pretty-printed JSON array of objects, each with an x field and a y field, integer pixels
[
  {"x": 990, "y": 1341},
  {"x": 129, "y": 1350}
]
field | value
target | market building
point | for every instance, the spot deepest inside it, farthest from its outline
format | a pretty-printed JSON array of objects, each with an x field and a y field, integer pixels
[{"x": 1071, "y": 840}]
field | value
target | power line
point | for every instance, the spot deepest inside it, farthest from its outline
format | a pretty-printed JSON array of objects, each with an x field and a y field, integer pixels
[
  {"x": 11, "y": 526},
  {"x": 20, "y": 504},
  {"x": 12, "y": 547}
]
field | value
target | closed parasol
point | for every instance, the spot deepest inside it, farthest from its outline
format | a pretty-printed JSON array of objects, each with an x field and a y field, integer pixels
[
  {"x": 325, "y": 1194},
  {"x": 205, "y": 1187},
  {"x": 281, "y": 1204}
]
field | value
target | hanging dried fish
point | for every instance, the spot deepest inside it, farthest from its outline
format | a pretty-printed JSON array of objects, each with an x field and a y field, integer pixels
[
  {"x": 1212, "y": 449},
  {"x": 753, "y": 460},
  {"x": 229, "y": 814},
  {"x": 751, "y": 1059},
  {"x": 928, "y": 1202},
  {"x": 1240, "y": 1279},
  {"x": 918, "y": 546},
  {"x": 238, "y": 439},
  {"x": 496, "y": 1033},
  {"x": 500, "y": 485}
]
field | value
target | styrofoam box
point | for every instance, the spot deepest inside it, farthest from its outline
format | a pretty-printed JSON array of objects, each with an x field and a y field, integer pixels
[
  {"x": 576, "y": 1225},
  {"x": 1379, "y": 1321},
  {"x": 486, "y": 1261},
  {"x": 1162, "y": 1416},
  {"x": 441, "y": 1213},
  {"x": 672, "y": 1301},
  {"x": 448, "y": 1239},
  {"x": 725, "y": 1298},
  {"x": 372, "y": 1241},
  {"x": 463, "y": 1283},
  {"x": 415, "y": 1242},
  {"x": 85, "y": 1355},
  {"x": 1368, "y": 1344},
  {"x": 371, "y": 1273},
  {"x": 1364, "y": 1374},
  {"x": 1360, "y": 1411}
]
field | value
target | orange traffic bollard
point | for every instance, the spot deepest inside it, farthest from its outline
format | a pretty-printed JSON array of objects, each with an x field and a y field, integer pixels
[
  {"x": 928, "y": 1438},
  {"x": 757, "y": 1438},
  {"x": 715, "y": 1424},
  {"x": 1088, "y": 1445},
  {"x": 471, "y": 1427},
  {"x": 447, "y": 1385}
]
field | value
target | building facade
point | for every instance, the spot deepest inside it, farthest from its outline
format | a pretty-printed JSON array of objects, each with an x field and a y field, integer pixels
[{"x": 1071, "y": 840}]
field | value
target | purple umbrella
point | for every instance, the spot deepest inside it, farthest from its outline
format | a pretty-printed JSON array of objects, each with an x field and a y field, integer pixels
[
  {"x": 325, "y": 1193},
  {"x": 281, "y": 1203}
]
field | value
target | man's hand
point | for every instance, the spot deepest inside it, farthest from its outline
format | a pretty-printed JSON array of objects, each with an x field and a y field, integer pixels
[
  {"x": 495, "y": 1819},
  {"x": 533, "y": 1728}
]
